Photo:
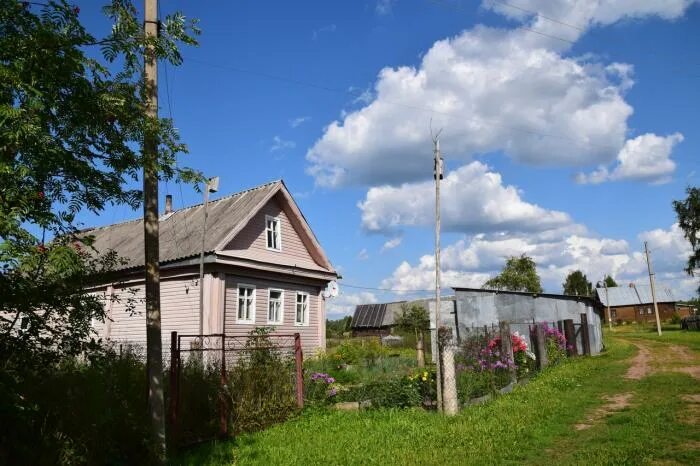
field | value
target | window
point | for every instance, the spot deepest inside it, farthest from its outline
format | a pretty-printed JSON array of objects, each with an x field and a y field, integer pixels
[
  {"x": 648, "y": 310},
  {"x": 275, "y": 306},
  {"x": 246, "y": 304},
  {"x": 272, "y": 230},
  {"x": 614, "y": 314},
  {"x": 302, "y": 309},
  {"x": 641, "y": 311}
]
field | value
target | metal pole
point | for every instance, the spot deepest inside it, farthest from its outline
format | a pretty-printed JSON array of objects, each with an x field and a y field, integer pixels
[
  {"x": 154, "y": 345},
  {"x": 438, "y": 176},
  {"x": 299, "y": 365},
  {"x": 201, "y": 261},
  {"x": 607, "y": 302},
  {"x": 653, "y": 289}
]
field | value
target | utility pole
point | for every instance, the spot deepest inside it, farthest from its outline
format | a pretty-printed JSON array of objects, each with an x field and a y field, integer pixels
[
  {"x": 212, "y": 186},
  {"x": 653, "y": 289},
  {"x": 437, "y": 174},
  {"x": 154, "y": 362},
  {"x": 607, "y": 302}
]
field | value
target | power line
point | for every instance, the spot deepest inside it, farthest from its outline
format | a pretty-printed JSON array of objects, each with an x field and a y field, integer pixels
[
  {"x": 548, "y": 18},
  {"x": 394, "y": 290},
  {"x": 448, "y": 115},
  {"x": 524, "y": 28}
]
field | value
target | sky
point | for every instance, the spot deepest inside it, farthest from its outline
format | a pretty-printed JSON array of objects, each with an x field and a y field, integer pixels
[{"x": 568, "y": 127}]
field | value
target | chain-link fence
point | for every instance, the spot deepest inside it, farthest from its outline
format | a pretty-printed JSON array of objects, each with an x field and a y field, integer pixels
[{"x": 221, "y": 385}]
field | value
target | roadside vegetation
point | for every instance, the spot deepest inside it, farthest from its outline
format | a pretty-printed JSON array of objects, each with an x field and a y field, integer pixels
[{"x": 582, "y": 411}]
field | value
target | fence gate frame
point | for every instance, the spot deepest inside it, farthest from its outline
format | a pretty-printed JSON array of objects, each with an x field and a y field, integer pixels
[{"x": 174, "y": 401}]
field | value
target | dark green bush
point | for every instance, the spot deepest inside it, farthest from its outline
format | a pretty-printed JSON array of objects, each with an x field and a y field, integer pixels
[
  {"x": 398, "y": 392},
  {"x": 75, "y": 412}
]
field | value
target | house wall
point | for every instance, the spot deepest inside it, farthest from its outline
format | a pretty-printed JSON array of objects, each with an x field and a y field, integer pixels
[
  {"x": 126, "y": 314},
  {"x": 474, "y": 309},
  {"x": 251, "y": 241},
  {"x": 645, "y": 312},
  {"x": 312, "y": 336}
]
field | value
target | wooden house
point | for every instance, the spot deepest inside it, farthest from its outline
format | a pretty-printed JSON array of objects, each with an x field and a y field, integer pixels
[{"x": 263, "y": 267}]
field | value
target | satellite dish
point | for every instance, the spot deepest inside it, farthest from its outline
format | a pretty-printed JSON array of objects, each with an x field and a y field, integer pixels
[{"x": 331, "y": 290}]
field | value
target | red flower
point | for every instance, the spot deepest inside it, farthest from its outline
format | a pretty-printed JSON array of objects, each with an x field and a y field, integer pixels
[
  {"x": 76, "y": 10},
  {"x": 41, "y": 248},
  {"x": 40, "y": 195}
]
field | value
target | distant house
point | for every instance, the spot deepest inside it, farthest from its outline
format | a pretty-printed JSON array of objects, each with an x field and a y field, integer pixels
[
  {"x": 374, "y": 319},
  {"x": 634, "y": 303},
  {"x": 380, "y": 319},
  {"x": 263, "y": 266}
]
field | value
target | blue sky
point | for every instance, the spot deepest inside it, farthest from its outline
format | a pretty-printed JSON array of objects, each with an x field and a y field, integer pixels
[{"x": 567, "y": 143}]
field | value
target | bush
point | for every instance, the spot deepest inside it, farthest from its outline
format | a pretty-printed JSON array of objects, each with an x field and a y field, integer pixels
[
  {"x": 676, "y": 318},
  {"x": 261, "y": 385},
  {"x": 76, "y": 412},
  {"x": 399, "y": 392}
]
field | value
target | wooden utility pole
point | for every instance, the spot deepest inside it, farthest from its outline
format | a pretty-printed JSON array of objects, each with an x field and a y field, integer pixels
[
  {"x": 438, "y": 176},
  {"x": 154, "y": 362},
  {"x": 607, "y": 301},
  {"x": 653, "y": 289}
]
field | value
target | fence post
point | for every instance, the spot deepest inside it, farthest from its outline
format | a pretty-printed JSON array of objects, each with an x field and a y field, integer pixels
[
  {"x": 299, "y": 360},
  {"x": 223, "y": 407},
  {"x": 570, "y": 335},
  {"x": 540, "y": 346},
  {"x": 174, "y": 389},
  {"x": 507, "y": 347},
  {"x": 560, "y": 326},
  {"x": 585, "y": 336}
]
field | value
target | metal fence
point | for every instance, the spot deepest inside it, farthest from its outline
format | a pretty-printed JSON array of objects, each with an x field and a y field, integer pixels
[{"x": 205, "y": 380}]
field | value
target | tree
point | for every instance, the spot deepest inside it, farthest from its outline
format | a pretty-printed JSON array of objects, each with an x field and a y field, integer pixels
[
  {"x": 607, "y": 281},
  {"x": 336, "y": 328},
  {"x": 519, "y": 274},
  {"x": 577, "y": 284},
  {"x": 70, "y": 126},
  {"x": 688, "y": 212},
  {"x": 414, "y": 318}
]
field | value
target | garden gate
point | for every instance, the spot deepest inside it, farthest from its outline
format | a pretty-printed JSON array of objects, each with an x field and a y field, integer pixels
[{"x": 211, "y": 374}]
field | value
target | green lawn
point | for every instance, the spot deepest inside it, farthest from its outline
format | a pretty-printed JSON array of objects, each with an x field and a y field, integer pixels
[{"x": 532, "y": 425}]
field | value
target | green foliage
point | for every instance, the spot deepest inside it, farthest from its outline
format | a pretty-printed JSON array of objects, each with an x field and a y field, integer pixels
[
  {"x": 413, "y": 318},
  {"x": 518, "y": 274},
  {"x": 355, "y": 351},
  {"x": 396, "y": 392},
  {"x": 261, "y": 385},
  {"x": 676, "y": 318},
  {"x": 577, "y": 284},
  {"x": 337, "y": 328},
  {"x": 688, "y": 212},
  {"x": 76, "y": 412},
  {"x": 607, "y": 281}
]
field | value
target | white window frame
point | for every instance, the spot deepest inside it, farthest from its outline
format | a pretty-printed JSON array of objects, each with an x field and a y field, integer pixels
[
  {"x": 277, "y": 220},
  {"x": 251, "y": 317},
  {"x": 269, "y": 301},
  {"x": 305, "y": 321}
]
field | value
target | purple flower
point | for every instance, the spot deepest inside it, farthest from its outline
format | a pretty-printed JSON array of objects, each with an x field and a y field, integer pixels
[
  {"x": 332, "y": 392},
  {"x": 330, "y": 379}
]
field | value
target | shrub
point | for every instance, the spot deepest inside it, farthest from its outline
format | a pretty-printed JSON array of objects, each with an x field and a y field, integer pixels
[
  {"x": 555, "y": 344},
  {"x": 399, "y": 392},
  {"x": 676, "y": 318},
  {"x": 76, "y": 412},
  {"x": 261, "y": 385}
]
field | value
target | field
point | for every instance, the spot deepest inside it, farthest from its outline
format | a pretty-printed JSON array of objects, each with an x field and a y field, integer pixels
[{"x": 638, "y": 403}]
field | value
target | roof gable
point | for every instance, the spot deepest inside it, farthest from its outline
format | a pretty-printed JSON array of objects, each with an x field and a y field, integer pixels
[{"x": 180, "y": 233}]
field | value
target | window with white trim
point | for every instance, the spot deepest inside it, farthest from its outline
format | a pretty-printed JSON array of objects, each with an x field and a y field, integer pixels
[
  {"x": 246, "y": 304},
  {"x": 272, "y": 233},
  {"x": 275, "y": 306},
  {"x": 302, "y": 309}
]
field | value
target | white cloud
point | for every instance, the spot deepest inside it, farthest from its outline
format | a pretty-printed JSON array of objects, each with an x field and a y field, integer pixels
[
  {"x": 392, "y": 243},
  {"x": 646, "y": 157},
  {"x": 384, "y": 7},
  {"x": 470, "y": 262},
  {"x": 344, "y": 304},
  {"x": 474, "y": 199},
  {"x": 491, "y": 90},
  {"x": 363, "y": 255},
  {"x": 295, "y": 122},
  {"x": 324, "y": 29},
  {"x": 281, "y": 144}
]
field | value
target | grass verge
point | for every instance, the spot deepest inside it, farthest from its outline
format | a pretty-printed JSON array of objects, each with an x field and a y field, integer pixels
[{"x": 516, "y": 428}]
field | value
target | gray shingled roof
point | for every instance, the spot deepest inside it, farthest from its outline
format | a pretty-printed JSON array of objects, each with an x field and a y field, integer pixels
[
  {"x": 180, "y": 232},
  {"x": 632, "y": 296}
]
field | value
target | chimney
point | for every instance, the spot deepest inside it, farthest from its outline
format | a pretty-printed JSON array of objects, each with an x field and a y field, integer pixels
[{"x": 168, "y": 204}]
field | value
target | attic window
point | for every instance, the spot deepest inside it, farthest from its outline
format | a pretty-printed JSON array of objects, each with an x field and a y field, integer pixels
[{"x": 272, "y": 233}]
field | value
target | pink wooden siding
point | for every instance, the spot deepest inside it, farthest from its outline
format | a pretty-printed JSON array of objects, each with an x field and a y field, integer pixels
[
  {"x": 179, "y": 311},
  {"x": 251, "y": 241},
  {"x": 310, "y": 337}
]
